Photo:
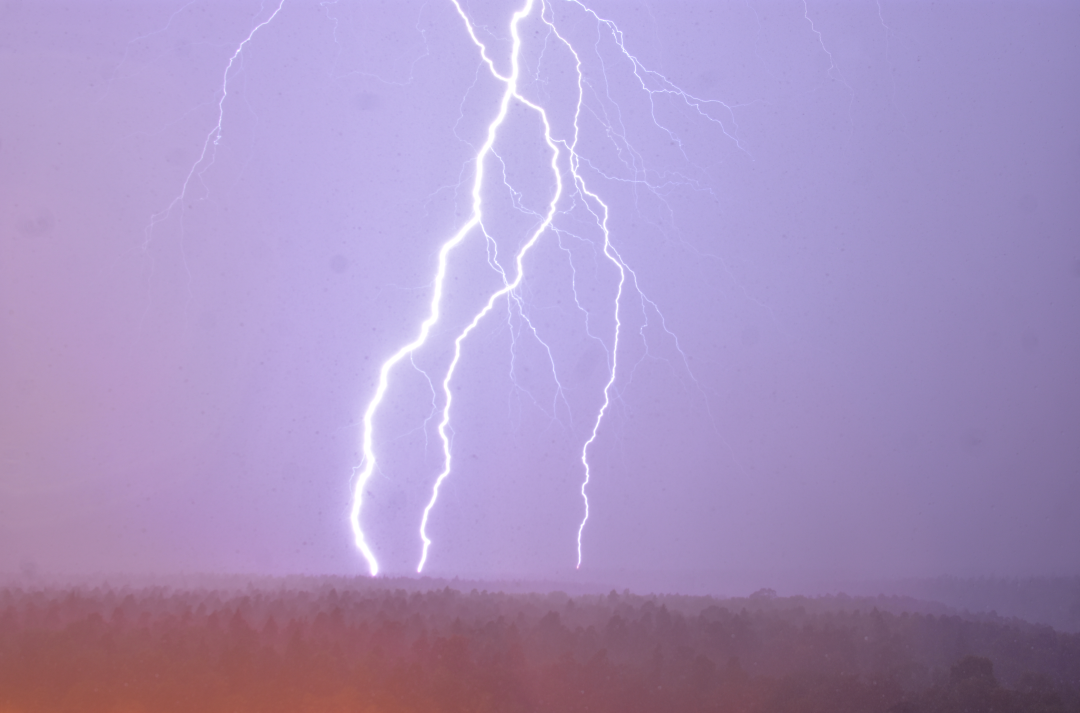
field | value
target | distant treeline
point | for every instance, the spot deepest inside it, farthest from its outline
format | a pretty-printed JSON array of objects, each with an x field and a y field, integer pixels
[
  {"x": 1047, "y": 600},
  {"x": 369, "y": 650}
]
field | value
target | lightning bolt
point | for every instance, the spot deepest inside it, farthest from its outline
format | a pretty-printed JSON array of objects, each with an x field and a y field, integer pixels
[
  {"x": 655, "y": 85},
  {"x": 570, "y": 192},
  {"x": 369, "y": 459},
  {"x": 567, "y": 168}
]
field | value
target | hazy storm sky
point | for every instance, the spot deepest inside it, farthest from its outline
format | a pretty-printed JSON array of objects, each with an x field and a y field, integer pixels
[{"x": 870, "y": 258}]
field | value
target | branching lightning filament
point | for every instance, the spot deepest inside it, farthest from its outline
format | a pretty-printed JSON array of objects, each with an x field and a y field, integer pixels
[{"x": 570, "y": 189}]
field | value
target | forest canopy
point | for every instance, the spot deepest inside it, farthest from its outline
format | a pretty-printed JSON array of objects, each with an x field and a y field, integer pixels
[{"x": 346, "y": 645}]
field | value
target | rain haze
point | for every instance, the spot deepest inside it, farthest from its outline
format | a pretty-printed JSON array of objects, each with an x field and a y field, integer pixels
[{"x": 847, "y": 237}]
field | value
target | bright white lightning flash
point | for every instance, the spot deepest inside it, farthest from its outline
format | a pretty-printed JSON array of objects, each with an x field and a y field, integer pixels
[
  {"x": 565, "y": 149},
  {"x": 475, "y": 220},
  {"x": 592, "y": 203}
]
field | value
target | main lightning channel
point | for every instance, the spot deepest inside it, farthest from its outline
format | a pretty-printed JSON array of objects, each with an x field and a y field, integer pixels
[
  {"x": 369, "y": 461},
  {"x": 508, "y": 287},
  {"x": 591, "y": 202}
]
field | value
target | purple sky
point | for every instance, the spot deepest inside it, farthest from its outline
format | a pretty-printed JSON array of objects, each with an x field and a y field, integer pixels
[{"x": 871, "y": 262}]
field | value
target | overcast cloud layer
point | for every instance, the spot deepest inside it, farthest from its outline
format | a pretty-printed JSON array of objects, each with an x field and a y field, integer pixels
[{"x": 871, "y": 263}]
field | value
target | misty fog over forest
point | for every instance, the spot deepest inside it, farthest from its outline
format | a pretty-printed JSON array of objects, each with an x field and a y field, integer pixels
[{"x": 339, "y": 645}]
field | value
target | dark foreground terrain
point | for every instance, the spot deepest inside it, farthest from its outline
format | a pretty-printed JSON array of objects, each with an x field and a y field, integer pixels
[{"x": 348, "y": 646}]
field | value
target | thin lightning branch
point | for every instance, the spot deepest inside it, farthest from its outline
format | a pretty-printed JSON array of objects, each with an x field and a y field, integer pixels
[
  {"x": 611, "y": 255},
  {"x": 115, "y": 73},
  {"x": 209, "y": 147},
  {"x": 207, "y": 154},
  {"x": 434, "y": 404},
  {"x": 213, "y": 137},
  {"x": 833, "y": 68},
  {"x": 560, "y": 393},
  {"x": 515, "y": 302}
]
